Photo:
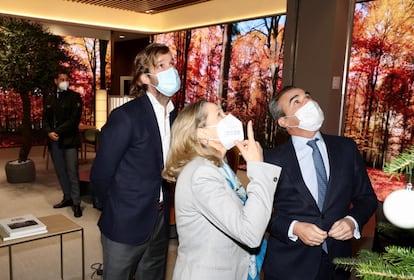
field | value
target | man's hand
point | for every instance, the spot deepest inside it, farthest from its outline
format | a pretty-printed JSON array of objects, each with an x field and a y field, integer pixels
[
  {"x": 310, "y": 234},
  {"x": 342, "y": 229},
  {"x": 53, "y": 136}
]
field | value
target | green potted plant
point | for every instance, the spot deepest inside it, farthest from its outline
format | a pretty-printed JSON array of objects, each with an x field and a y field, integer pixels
[{"x": 29, "y": 57}]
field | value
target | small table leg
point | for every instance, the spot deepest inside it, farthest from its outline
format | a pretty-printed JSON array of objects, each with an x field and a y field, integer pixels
[
  {"x": 10, "y": 263},
  {"x": 83, "y": 257},
  {"x": 61, "y": 256}
]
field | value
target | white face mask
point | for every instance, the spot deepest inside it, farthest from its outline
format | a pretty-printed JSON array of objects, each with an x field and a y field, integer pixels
[
  {"x": 63, "y": 85},
  {"x": 168, "y": 81},
  {"x": 229, "y": 129},
  {"x": 310, "y": 116}
]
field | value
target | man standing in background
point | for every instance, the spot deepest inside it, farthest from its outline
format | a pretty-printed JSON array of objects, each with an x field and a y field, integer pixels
[{"x": 61, "y": 116}]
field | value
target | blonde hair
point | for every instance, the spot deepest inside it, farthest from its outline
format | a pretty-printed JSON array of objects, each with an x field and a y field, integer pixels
[{"x": 185, "y": 146}]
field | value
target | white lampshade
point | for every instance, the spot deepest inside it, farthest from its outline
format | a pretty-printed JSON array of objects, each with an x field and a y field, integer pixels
[
  {"x": 399, "y": 208},
  {"x": 101, "y": 108}
]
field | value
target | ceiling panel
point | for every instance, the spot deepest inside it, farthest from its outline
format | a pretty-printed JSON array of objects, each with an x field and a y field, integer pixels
[{"x": 141, "y": 6}]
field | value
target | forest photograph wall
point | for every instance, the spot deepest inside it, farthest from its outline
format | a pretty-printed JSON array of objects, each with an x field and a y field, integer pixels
[
  {"x": 92, "y": 70},
  {"x": 379, "y": 102},
  {"x": 237, "y": 65},
  {"x": 84, "y": 58}
]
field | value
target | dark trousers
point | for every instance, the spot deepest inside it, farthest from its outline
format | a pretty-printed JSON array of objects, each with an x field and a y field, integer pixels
[
  {"x": 66, "y": 167},
  {"x": 141, "y": 262},
  {"x": 327, "y": 271}
]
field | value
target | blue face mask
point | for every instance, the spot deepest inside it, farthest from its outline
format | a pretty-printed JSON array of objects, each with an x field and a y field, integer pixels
[{"x": 168, "y": 81}]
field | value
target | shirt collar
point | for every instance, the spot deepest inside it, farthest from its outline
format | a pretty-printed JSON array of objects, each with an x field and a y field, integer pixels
[
  {"x": 156, "y": 104},
  {"x": 301, "y": 141}
]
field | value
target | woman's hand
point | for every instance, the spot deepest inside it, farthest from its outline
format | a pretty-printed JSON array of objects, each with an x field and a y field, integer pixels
[{"x": 250, "y": 149}]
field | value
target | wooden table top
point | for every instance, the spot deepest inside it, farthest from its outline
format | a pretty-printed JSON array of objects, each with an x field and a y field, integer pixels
[{"x": 56, "y": 224}]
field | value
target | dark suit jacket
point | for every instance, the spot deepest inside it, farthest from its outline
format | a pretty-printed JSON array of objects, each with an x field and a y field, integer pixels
[
  {"x": 349, "y": 193},
  {"x": 63, "y": 116},
  {"x": 126, "y": 173}
]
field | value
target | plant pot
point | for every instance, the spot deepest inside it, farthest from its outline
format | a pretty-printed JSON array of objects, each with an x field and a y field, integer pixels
[{"x": 20, "y": 172}]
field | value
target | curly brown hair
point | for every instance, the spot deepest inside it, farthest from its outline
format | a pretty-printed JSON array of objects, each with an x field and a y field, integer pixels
[{"x": 144, "y": 60}]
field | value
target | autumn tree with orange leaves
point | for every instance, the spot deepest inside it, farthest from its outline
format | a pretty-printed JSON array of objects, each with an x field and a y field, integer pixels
[
  {"x": 237, "y": 65},
  {"x": 380, "y": 95}
]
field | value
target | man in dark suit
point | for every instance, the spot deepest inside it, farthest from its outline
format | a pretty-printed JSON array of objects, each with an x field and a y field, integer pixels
[
  {"x": 62, "y": 113},
  {"x": 316, "y": 214},
  {"x": 126, "y": 173}
]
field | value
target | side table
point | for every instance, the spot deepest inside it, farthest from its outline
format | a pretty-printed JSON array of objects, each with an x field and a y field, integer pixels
[{"x": 57, "y": 225}]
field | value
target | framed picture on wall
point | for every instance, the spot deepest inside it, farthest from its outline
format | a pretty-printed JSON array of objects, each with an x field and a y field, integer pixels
[{"x": 124, "y": 82}]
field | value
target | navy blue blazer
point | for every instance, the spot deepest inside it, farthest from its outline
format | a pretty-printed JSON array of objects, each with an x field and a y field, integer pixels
[
  {"x": 126, "y": 173},
  {"x": 349, "y": 193}
]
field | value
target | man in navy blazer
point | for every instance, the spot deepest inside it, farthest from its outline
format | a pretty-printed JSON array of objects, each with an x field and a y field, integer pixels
[
  {"x": 305, "y": 236},
  {"x": 126, "y": 173}
]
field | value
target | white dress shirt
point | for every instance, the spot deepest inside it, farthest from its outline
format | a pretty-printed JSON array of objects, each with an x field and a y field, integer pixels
[
  {"x": 304, "y": 155},
  {"x": 163, "y": 119}
]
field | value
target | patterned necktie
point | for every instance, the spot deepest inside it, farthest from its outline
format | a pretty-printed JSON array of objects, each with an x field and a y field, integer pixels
[
  {"x": 320, "y": 176},
  {"x": 320, "y": 172}
]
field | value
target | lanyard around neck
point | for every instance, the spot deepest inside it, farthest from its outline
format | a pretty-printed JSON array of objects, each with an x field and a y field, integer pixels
[{"x": 234, "y": 182}]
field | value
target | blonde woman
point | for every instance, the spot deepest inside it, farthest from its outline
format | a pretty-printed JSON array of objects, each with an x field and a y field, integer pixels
[{"x": 218, "y": 220}]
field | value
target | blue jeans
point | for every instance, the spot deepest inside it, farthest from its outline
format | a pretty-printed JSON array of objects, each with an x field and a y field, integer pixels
[{"x": 66, "y": 167}]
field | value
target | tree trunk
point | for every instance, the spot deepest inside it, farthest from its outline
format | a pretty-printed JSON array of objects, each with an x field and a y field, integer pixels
[
  {"x": 26, "y": 128},
  {"x": 225, "y": 64},
  {"x": 103, "y": 47}
]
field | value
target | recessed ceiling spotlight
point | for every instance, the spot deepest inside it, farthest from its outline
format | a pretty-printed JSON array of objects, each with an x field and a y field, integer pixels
[
  {"x": 121, "y": 36},
  {"x": 149, "y": 11}
]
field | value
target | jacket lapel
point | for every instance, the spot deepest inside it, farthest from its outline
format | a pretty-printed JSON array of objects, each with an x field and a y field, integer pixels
[
  {"x": 293, "y": 172},
  {"x": 332, "y": 149}
]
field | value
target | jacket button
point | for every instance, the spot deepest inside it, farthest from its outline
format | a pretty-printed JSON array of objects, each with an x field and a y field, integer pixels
[{"x": 275, "y": 179}]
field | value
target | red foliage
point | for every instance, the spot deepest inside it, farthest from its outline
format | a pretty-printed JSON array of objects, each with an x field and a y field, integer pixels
[
  {"x": 382, "y": 184},
  {"x": 380, "y": 96}
]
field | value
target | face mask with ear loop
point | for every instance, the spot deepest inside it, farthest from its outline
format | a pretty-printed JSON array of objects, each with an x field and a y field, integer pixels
[
  {"x": 168, "y": 81},
  {"x": 310, "y": 116},
  {"x": 229, "y": 130},
  {"x": 63, "y": 85}
]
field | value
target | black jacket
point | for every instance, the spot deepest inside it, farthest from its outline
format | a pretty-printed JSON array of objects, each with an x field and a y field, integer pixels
[
  {"x": 62, "y": 115},
  {"x": 349, "y": 193}
]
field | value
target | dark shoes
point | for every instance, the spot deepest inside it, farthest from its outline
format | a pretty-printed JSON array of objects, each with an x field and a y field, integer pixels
[
  {"x": 63, "y": 203},
  {"x": 77, "y": 211}
]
